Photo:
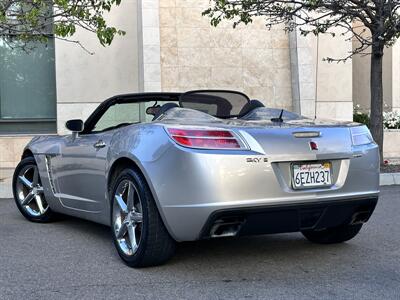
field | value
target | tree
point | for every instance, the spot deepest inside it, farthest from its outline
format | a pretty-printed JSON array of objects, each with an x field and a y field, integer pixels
[
  {"x": 375, "y": 24},
  {"x": 24, "y": 22}
]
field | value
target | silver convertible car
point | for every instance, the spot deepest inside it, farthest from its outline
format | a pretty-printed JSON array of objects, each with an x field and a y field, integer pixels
[{"x": 161, "y": 168}]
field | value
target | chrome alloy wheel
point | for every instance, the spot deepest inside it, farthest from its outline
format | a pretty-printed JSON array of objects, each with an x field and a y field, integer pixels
[
  {"x": 30, "y": 191},
  {"x": 127, "y": 217}
]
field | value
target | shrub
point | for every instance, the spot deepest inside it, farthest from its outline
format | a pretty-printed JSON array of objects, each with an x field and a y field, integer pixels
[
  {"x": 391, "y": 120},
  {"x": 361, "y": 117}
]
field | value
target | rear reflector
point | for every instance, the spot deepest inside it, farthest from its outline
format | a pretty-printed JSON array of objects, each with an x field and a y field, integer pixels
[{"x": 205, "y": 139}]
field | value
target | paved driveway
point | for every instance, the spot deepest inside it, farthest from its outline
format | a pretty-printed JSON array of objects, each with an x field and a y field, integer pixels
[{"x": 76, "y": 259}]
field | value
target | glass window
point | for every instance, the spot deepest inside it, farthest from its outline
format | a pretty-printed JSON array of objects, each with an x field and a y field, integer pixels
[
  {"x": 118, "y": 115},
  {"x": 27, "y": 88}
]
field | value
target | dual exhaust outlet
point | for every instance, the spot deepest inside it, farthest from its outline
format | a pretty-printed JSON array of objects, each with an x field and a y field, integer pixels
[{"x": 231, "y": 226}]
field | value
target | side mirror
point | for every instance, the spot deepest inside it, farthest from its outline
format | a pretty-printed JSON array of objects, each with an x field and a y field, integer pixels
[{"x": 74, "y": 125}]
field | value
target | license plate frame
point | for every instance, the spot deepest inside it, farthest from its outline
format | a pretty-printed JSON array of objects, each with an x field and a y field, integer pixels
[{"x": 327, "y": 168}]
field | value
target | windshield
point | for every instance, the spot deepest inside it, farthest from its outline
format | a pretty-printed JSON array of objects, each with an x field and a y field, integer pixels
[{"x": 220, "y": 104}]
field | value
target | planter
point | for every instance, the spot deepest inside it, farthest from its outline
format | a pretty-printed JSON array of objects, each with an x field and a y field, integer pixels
[{"x": 391, "y": 144}]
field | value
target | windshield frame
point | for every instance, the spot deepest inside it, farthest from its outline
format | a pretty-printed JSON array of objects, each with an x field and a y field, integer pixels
[{"x": 127, "y": 98}]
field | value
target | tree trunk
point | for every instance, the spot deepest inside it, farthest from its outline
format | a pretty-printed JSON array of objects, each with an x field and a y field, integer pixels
[{"x": 377, "y": 97}]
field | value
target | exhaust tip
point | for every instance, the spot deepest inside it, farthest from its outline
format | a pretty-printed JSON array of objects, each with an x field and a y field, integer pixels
[
  {"x": 226, "y": 228},
  {"x": 360, "y": 217}
]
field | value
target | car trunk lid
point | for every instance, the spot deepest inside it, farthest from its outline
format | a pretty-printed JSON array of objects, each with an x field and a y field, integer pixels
[{"x": 298, "y": 144}]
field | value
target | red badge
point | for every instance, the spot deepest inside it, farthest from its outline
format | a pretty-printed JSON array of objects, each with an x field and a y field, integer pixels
[{"x": 313, "y": 146}]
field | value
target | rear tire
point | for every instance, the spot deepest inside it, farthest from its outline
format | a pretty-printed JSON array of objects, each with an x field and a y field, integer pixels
[
  {"x": 143, "y": 241},
  {"x": 333, "y": 235},
  {"x": 28, "y": 192}
]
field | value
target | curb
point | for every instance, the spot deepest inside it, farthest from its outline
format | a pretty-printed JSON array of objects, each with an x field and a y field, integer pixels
[
  {"x": 5, "y": 189},
  {"x": 389, "y": 179},
  {"x": 386, "y": 179}
]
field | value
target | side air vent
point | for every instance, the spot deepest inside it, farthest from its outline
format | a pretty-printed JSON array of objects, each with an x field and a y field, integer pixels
[{"x": 50, "y": 173}]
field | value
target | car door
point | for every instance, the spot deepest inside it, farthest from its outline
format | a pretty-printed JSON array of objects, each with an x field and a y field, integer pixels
[
  {"x": 81, "y": 166},
  {"x": 80, "y": 171}
]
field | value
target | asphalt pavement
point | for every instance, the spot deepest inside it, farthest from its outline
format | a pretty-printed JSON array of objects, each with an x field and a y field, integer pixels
[{"x": 75, "y": 259}]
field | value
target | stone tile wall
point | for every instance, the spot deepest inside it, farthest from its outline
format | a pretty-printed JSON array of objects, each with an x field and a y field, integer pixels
[
  {"x": 11, "y": 148},
  {"x": 335, "y": 82},
  {"x": 151, "y": 45},
  {"x": 249, "y": 58},
  {"x": 396, "y": 76},
  {"x": 320, "y": 88}
]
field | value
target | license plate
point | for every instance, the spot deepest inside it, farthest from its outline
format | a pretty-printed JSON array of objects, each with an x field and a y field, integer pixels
[{"x": 311, "y": 175}]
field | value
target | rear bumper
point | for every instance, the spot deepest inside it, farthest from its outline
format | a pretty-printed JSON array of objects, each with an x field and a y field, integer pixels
[
  {"x": 189, "y": 185},
  {"x": 188, "y": 223},
  {"x": 288, "y": 218}
]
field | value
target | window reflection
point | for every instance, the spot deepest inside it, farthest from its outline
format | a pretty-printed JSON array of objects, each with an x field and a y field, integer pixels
[{"x": 27, "y": 81}]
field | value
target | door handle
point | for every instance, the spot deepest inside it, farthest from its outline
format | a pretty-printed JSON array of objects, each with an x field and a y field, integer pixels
[{"x": 100, "y": 144}]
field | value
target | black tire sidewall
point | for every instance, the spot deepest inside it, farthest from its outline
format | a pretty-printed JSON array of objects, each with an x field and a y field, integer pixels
[
  {"x": 137, "y": 181},
  {"x": 334, "y": 235}
]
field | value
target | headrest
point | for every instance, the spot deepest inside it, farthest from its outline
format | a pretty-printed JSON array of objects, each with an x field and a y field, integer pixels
[
  {"x": 164, "y": 108},
  {"x": 253, "y": 104}
]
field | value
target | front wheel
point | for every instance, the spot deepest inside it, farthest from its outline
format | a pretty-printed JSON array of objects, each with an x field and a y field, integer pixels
[
  {"x": 28, "y": 192},
  {"x": 333, "y": 235},
  {"x": 137, "y": 229}
]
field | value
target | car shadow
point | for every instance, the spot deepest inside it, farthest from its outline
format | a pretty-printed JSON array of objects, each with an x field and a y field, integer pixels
[
  {"x": 206, "y": 256},
  {"x": 95, "y": 230},
  {"x": 275, "y": 246}
]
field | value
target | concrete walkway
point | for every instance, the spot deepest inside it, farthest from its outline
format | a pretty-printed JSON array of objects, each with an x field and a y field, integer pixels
[{"x": 6, "y": 179}]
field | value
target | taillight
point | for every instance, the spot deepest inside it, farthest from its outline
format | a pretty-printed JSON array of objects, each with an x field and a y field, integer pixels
[
  {"x": 360, "y": 135},
  {"x": 205, "y": 138}
]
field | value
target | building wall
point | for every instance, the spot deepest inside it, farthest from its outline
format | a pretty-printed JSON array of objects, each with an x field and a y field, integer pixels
[
  {"x": 391, "y": 75},
  {"x": 170, "y": 46},
  {"x": 335, "y": 83},
  {"x": 391, "y": 141},
  {"x": 361, "y": 78},
  {"x": 11, "y": 148},
  {"x": 396, "y": 76},
  {"x": 320, "y": 88},
  {"x": 150, "y": 20},
  {"x": 85, "y": 80},
  {"x": 249, "y": 58}
]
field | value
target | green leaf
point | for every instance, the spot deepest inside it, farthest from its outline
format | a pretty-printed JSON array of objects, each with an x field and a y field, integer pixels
[{"x": 33, "y": 20}]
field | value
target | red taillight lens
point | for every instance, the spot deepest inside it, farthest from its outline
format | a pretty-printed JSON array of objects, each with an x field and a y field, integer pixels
[
  {"x": 209, "y": 139},
  {"x": 200, "y": 133}
]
